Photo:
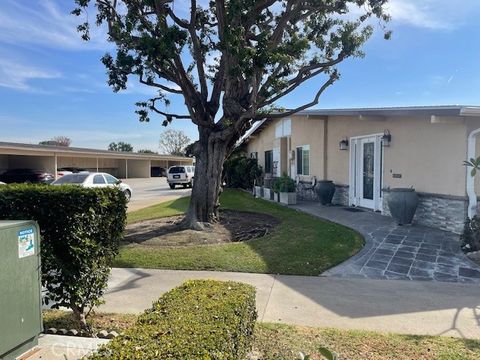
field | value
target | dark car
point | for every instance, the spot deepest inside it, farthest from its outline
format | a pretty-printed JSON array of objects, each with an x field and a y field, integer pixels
[
  {"x": 72, "y": 169},
  {"x": 26, "y": 175}
]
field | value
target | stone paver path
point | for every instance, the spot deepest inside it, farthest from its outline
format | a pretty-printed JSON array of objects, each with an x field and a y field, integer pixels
[{"x": 398, "y": 252}]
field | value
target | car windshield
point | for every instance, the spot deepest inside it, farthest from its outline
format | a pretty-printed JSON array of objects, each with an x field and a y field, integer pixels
[
  {"x": 177, "y": 170},
  {"x": 71, "y": 179}
]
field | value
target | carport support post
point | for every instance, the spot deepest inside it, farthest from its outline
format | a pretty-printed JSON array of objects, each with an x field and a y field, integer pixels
[
  {"x": 97, "y": 164},
  {"x": 55, "y": 161},
  {"x": 126, "y": 168}
]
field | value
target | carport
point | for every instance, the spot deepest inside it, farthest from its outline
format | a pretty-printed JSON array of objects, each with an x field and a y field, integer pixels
[{"x": 50, "y": 158}]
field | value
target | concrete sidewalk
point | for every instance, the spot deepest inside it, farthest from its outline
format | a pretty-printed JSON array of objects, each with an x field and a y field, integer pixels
[{"x": 407, "y": 307}]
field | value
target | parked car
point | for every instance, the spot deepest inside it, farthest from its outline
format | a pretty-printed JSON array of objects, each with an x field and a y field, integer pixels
[
  {"x": 180, "y": 175},
  {"x": 2, "y": 183},
  {"x": 26, "y": 176},
  {"x": 92, "y": 180}
]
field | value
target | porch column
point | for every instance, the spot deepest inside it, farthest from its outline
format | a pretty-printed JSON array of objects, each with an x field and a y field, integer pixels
[{"x": 472, "y": 196}]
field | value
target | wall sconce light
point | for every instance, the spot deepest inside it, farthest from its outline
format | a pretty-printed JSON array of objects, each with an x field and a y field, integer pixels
[
  {"x": 386, "y": 138},
  {"x": 343, "y": 144}
]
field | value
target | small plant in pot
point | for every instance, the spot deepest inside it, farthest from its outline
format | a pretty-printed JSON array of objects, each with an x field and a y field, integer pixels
[{"x": 285, "y": 187}]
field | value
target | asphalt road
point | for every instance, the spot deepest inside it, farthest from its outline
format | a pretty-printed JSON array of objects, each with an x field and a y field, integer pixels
[{"x": 147, "y": 192}]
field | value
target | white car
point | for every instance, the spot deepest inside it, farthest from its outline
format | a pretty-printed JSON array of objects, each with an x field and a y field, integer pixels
[
  {"x": 93, "y": 180},
  {"x": 180, "y": 175},
  {"x": 2, "y": 183}
]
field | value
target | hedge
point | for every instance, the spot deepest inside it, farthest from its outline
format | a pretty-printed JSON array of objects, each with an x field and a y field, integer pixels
[
  {"x": 201, "y": 319},
  {"x": 80, "y": 228}
]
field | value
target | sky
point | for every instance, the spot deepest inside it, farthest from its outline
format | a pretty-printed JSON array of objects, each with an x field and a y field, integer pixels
[{"x": 52, "y": 83}]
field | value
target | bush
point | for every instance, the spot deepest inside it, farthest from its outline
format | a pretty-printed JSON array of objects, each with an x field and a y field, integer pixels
[
  {"x": 471, "y": 235},
  {"x": 284, "y": 184},
  {"x": 80, "y": 233},
  {"x": 201, "y": 319},
  {"x": 241, "y": 172}
]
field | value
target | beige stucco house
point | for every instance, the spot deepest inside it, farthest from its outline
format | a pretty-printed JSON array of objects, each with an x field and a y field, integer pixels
[{"x": 368, "y": 151}]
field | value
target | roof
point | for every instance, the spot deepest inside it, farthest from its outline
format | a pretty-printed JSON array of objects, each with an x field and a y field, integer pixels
[
  {"x": 72, "y": 151},
  {"x": 440, "y": 110}
]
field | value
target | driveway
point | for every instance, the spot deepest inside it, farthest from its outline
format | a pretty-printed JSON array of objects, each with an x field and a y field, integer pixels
[
  {"x": 406, "y": 307},
  {"x": 395, "y": 252},
  {"x": 151, "y": 191}
]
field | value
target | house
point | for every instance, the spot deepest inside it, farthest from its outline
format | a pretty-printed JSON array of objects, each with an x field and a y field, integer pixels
[{"x": 368, "y": 151}]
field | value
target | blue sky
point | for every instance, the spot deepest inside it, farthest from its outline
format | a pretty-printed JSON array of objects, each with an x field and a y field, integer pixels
[{"x": 52, "y": 83}]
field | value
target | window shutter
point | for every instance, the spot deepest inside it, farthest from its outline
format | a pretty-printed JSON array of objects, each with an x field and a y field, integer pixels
[{"x": 299, "y": 161}]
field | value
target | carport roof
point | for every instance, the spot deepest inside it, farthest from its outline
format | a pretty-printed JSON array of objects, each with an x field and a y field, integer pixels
[{"x": 10, "y": 148}]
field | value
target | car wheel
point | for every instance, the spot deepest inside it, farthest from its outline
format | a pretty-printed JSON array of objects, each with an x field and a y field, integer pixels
[
  {"x": 190, "y": 185},
  {"x": 128, "y": 194},
  {"x": 172, "y": 186},
  {"x": 185, "y": 186}
]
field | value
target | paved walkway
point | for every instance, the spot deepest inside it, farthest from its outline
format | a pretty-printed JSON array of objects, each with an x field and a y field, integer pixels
[
  {"x": 58, "y": 347},
  {"x": 408, "y": 307},
  {"x": 398, "y": 252}
]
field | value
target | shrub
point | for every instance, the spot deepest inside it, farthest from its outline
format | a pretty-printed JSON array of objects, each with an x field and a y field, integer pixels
[
  {"x": 284, "y": 184},
  {"x": 80, "y": 233},
  {"x": 471, "y": 235},
  {"x": 201, "y": 319},
  {"x": 241, "y": 171}
]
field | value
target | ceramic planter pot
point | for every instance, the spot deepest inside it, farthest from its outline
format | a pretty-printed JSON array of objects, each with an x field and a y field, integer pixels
[
  {"x": 325, "y": 191},
  {"x": 267, "y": 194},
  {"x": 288, "y": 198},
  {"x": 402, "y": 203}
]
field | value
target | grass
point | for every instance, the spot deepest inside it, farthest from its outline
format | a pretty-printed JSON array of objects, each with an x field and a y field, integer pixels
[
  {"x": 300, "y": 245},
  {"x": 284, "y": 342}
]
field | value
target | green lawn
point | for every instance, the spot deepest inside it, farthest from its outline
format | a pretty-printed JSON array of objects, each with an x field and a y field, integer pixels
[
  {"x": 300, "y": 245},
  {"x": 284, "y": 342}
]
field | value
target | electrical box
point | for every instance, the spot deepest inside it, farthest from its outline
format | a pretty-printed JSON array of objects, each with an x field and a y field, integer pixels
[{"x": 20, "y": 290}]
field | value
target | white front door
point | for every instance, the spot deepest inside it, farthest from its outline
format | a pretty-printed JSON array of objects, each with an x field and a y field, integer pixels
[{"x": 366, "y": 172}]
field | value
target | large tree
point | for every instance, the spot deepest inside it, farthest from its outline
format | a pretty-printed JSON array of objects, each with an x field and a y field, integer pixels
[
  {"x": 174, "y": 142},
  {"x": 231, "y": 61},
  {"x": 120, "y": 146},
  {"x": 57, "y": 141}
]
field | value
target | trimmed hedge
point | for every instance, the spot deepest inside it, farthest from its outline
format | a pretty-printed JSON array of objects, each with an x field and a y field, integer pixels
[
  {"x": 201, "y": 319},
  {"x": 81, "y": 229}
]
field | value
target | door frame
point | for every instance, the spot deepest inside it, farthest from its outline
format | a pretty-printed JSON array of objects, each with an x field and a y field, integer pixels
[{"x": 356, "y": 176}]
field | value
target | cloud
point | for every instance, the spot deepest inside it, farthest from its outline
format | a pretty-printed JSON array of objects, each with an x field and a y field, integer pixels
[
  {"x": 23, "y": 22},
  {"x": 16, "y": 76},
  {"x": 433, "y": 14}
]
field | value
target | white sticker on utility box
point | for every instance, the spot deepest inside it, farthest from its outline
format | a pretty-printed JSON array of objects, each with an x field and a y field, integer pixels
[{"x": 26, "y": 243}]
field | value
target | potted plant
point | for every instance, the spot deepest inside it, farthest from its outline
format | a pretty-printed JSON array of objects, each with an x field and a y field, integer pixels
[
  {"x": 402, "y": 203},
  {"x": 285, "y": 187},
  {"x": 325, "y": 190}
]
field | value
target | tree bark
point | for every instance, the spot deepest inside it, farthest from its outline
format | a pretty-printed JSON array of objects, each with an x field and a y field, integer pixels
[
  {"x": 210, "y": 153},
  {"x": 80, "y": 316}
]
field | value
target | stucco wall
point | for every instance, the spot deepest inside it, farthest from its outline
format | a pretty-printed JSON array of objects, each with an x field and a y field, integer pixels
[
  {"x": 310, "y": 131},
  {"x": 262, "y": 142},
  {"x": 428, "y": 156}
]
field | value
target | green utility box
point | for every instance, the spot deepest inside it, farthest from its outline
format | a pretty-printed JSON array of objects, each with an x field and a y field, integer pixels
[{"x": 20, "y": 298}]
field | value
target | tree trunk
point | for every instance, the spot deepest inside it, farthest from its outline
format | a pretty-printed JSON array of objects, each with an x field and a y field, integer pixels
[
  {"x": 210, "y": 152},
  {"x": 81, "y": 318}
]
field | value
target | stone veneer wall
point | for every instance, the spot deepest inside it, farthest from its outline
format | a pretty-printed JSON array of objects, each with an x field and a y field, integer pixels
[{"x": 444, "y": 212}]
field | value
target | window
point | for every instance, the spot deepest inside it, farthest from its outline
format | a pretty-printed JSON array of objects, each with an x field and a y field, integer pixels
[
  {"x": 98, "y": 179},
  {"x": 71, "y": 179},
  {"x": 111, "y": 180},
  {"x": 177, "y": 170},
  {"x": 254, "y": 155},
  {"x": 303, "y": 160},
  {"x": 268, "y": 162}
]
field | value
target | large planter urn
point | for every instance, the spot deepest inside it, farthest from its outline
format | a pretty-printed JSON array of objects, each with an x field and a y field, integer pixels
[
  {"x": 325, "y": 191},
  {"x": 258, "y": 191},
  {"x": 402, "y": 203}
]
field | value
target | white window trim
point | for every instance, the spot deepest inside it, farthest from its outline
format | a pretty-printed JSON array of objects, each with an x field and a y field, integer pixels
[{"x": 303, "y": 167}]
